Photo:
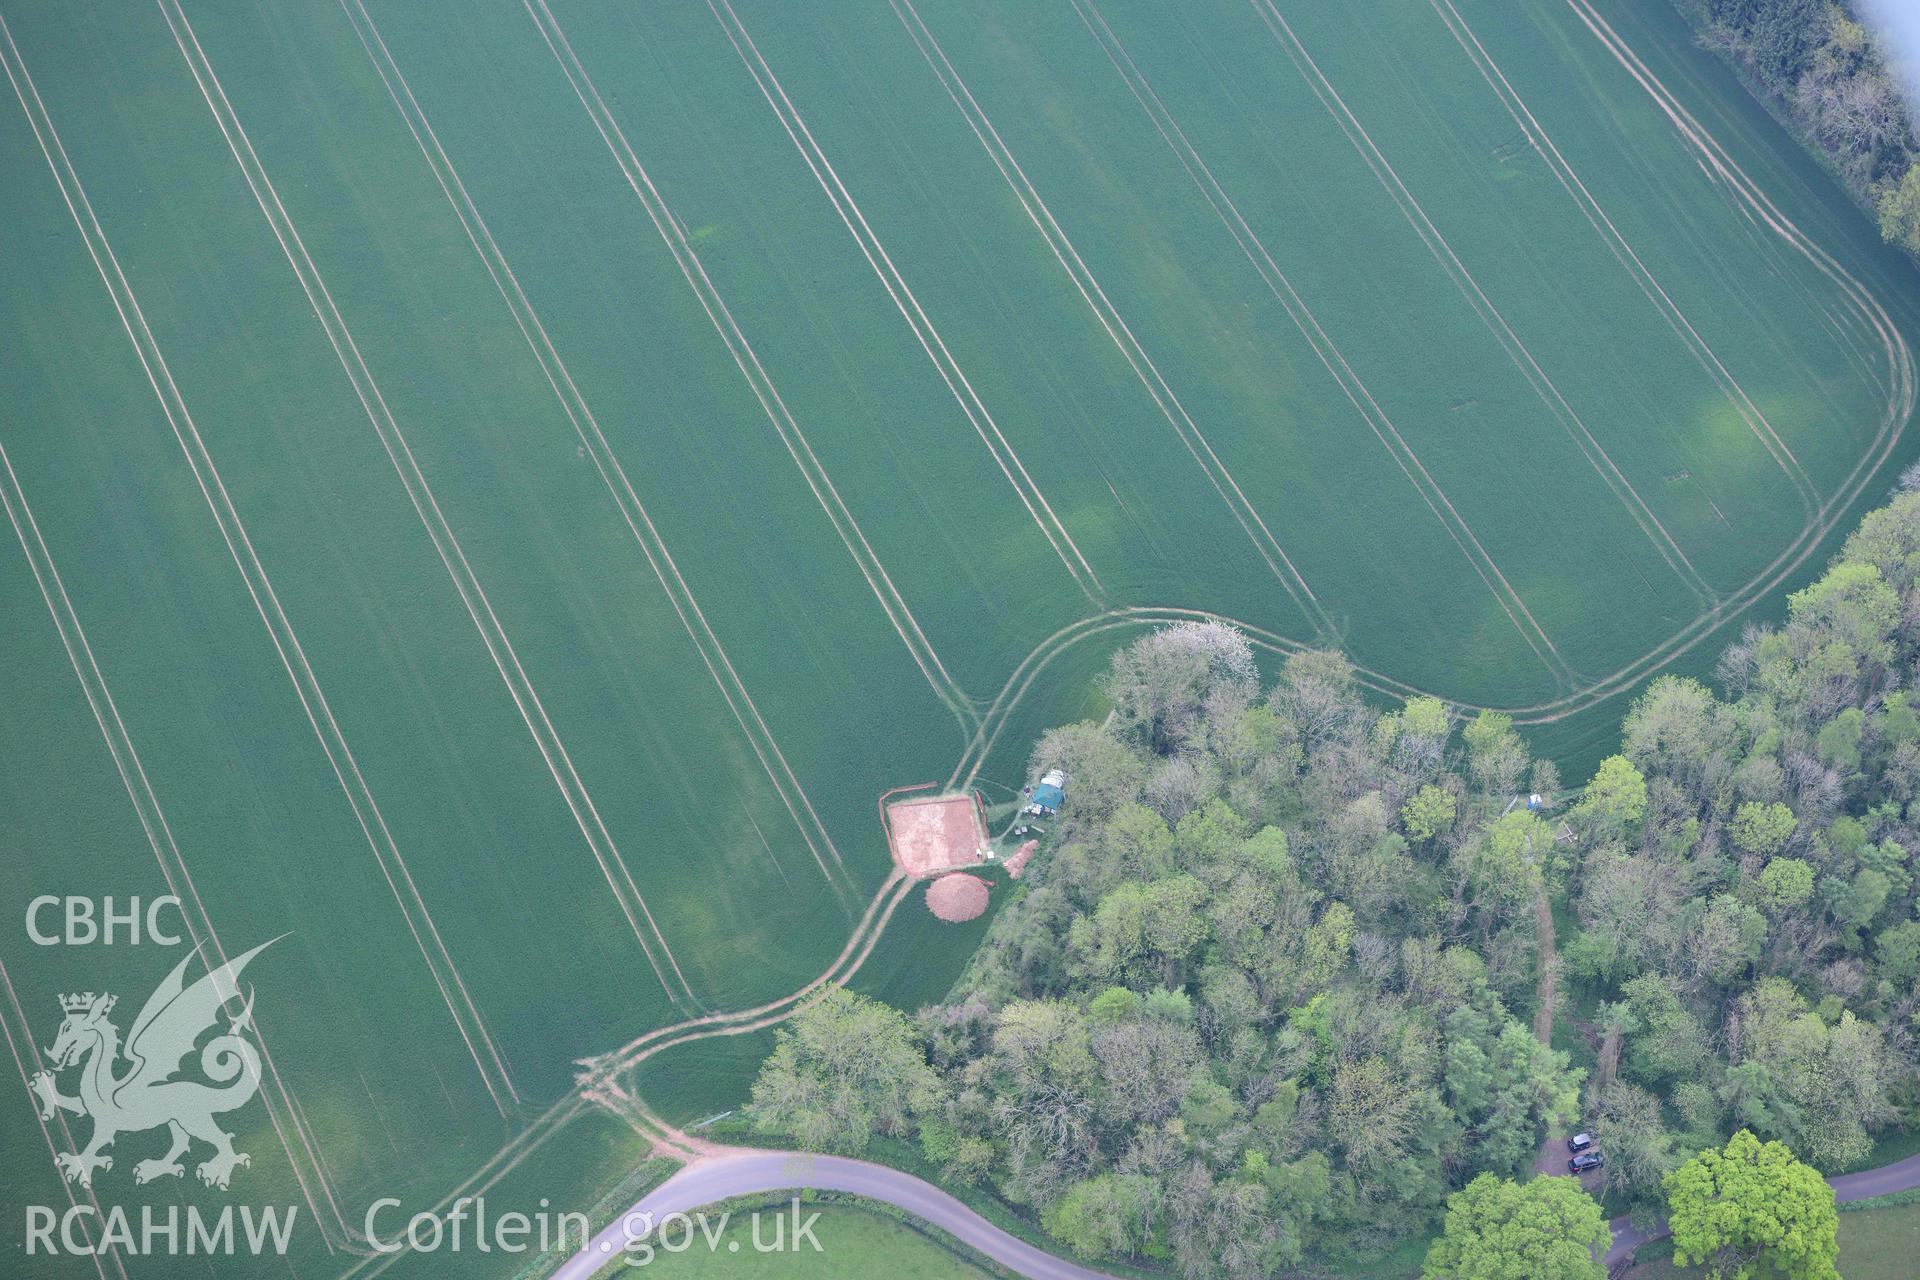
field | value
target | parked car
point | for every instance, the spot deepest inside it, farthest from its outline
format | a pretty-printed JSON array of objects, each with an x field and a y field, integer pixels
[
  {"x": 1584, "y": 1161},
  {"x": 1579, "y": 1142}
]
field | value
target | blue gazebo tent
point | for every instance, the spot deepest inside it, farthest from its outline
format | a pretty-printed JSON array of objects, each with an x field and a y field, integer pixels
[{"x": 1049, "y": 794}]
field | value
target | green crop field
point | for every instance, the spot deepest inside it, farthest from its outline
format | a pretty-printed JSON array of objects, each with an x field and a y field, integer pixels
[
  {"x": 1875, "y": 1244},
  {"x": 501, "y": 489}
]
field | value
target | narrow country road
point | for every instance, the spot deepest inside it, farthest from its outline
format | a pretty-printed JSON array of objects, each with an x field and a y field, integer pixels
[
  {"x": 751, "y": 1172},
  {"x": 728, "y": 1173},
  {"x": 1901, "y": 1175}
]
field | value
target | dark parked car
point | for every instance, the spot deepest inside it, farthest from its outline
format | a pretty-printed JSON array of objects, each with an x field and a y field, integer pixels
[
  {"x": 1585, "y": 1161},
  {"x": 1579, "y": 1142}
]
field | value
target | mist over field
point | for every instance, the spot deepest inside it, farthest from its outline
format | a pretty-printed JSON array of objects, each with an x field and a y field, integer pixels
[{"x": 1899, "y": 22}]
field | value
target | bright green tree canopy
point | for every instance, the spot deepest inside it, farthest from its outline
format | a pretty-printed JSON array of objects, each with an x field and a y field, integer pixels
[
  {"x": 1617, "y": 794},
  {"x": 1785, "y": 883},
  {"x": 1762, "y": 828},
  {"x": 1428, "y": 812},
  {"x": 1899, "y": 210},
  {"x": 1752, "y": 1210},
  {"x": 1546, "y": 1229}
]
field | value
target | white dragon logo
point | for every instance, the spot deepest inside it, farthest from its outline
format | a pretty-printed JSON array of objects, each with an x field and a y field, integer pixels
[{"x": 147, "y": 1095}]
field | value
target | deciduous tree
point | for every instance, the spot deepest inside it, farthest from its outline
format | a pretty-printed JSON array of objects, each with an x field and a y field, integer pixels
[
  {"x": 1762, "y": 829},
  {"x": 1751, "y": 1210},
  {"x": 1103, "y": 1217},
  {"x": 1615, "y": 798},
  {"x": 1546, "y": 1229},
  {"x": 847, "y": 1068},
  {"x": 1899, "y": 210},
  {"x": 1427, "y": 813}
]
